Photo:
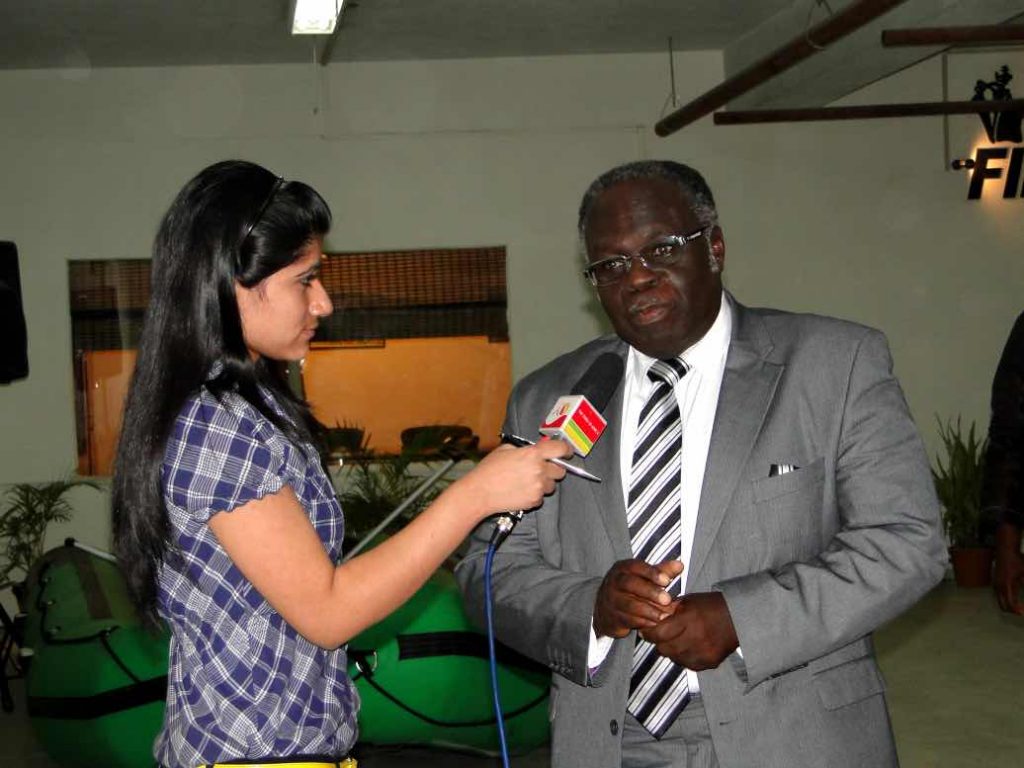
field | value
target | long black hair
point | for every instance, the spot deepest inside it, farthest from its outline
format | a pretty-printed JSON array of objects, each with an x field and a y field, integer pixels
[{"x": 234, "y": 223}]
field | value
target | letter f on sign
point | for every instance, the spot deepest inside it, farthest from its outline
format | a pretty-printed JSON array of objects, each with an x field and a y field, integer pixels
[{"x": 982, "y": 172}]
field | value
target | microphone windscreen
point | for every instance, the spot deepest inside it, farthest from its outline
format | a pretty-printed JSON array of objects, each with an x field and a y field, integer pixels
[
  {"x": 576, "y": 418},
  {"x": 600, "y": 380}
]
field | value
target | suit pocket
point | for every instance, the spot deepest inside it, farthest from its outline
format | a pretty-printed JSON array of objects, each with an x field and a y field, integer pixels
[
  {"x": 785, "y": 520},
  {"x": 808, "y": 476},
  {"x": 849, "y": 682}
]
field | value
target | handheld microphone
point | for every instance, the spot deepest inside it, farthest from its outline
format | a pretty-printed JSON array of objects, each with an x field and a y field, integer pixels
[{"x": 576, "y": 417}]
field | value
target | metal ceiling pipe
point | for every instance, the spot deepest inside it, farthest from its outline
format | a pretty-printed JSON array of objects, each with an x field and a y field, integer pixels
[
  {"x": 867, "y": 111},
  {"x": 851, "y": 18},
  {"x": 984, "y": 35}
]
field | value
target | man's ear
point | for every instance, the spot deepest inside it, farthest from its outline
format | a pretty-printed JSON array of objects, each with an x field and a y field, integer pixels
[{"x": 717, "y": 246}]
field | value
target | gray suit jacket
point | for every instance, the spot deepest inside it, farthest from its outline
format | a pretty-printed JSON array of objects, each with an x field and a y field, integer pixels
[{"x": 810, "y": 562}]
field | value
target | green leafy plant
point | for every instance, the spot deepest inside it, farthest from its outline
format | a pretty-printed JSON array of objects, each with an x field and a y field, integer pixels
[
  {"x": 376, "y": 486},
  {"x": 29, "y": 509},
  {"x": 958, "y": 477}
]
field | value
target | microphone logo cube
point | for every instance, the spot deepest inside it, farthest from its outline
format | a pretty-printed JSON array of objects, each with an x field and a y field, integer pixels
[{"x": 575, "y": 420}]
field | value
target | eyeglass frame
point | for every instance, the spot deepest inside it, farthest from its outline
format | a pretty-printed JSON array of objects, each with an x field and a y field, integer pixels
[{"x": 677, "y": 240}]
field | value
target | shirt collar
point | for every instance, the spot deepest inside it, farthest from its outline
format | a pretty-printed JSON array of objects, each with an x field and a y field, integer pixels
[{"x": 709, "y": 351}]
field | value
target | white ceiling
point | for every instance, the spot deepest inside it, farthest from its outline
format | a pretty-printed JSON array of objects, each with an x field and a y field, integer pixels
[
  {"x": 122, "y": 33},
  {"x": 117, "y": 33}
]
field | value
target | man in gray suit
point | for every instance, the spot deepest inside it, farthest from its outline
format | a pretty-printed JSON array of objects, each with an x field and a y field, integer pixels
[{"x": 801, "y": 514}]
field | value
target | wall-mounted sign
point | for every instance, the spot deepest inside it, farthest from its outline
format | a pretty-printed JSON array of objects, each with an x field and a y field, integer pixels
[
  {"x": 982, "y": 171},
  {"x": 1000, "y": 126}
]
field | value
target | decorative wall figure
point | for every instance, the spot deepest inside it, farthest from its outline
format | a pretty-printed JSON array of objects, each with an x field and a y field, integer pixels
[{"x": 1000, "y": 126}]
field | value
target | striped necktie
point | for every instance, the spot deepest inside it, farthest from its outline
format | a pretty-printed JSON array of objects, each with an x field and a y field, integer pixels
[{"x": 658, "y": 689}]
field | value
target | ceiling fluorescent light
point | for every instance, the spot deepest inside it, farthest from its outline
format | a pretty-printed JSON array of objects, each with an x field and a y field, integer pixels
[{"x": 315, "y": 17}]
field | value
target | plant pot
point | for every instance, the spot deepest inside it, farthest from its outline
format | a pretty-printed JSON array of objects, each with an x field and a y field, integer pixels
[
  {"x": 344, "y": 440},
  {"x": 972, "y": 566}
]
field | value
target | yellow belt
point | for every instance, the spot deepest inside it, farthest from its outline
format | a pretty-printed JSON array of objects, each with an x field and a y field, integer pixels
[{"x": 348, "y": 762}]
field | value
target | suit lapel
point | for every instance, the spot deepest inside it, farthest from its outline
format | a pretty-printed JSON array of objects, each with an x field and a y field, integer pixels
[
  {"x": 748, "y": 385},
  {"x": 603, "y": 461}
]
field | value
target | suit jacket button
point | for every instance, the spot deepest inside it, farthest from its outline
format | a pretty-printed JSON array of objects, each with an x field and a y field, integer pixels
[{"x": 613, "y": 726}]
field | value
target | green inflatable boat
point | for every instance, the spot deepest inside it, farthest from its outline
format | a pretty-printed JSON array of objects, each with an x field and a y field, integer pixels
[
  {"x": 424, "y": 678},
  {"x": 96, "y": 681}
]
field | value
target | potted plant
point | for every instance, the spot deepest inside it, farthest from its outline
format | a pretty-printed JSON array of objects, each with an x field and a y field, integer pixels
[
  {"x": 28, "y": 511},
  {"x": 958, "y": 477},
  {"x": 346, "y": 440},
  {"x": 375, "y": 487}
]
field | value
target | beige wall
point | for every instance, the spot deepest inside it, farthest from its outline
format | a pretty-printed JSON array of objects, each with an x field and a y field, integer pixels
[{"x": 858, "y": 219}]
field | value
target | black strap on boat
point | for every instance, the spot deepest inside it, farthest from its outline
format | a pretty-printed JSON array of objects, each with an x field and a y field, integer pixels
[
  {"x": 99, "y": 704},
  {"x": 461, "y": 643},
  {"x": 105, "y": 639},
  {"x": 95, "y": 598}
]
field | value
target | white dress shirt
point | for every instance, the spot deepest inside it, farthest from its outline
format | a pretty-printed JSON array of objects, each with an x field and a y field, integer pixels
[{"x": 697, "y": 396}]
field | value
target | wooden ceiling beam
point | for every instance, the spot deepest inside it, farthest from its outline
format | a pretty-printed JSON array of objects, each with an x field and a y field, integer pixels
[
  {"x": 982, "y": 35},
  {"x": 866, "y": 112},
  {"x": 818, "y": 37}
]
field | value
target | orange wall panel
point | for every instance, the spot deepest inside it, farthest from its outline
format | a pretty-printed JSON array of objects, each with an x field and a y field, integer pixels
[
  {"x": 409, "y": 383},
  {"x": 406, "y": 383},
  {"x": 106, "y": 377}
]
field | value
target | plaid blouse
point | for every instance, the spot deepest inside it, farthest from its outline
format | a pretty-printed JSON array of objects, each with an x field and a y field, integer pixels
[{"x": 242, "y": 683}]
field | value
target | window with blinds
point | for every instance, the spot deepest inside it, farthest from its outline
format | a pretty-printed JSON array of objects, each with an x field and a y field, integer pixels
[
  {"x": 417, "y": 338},
  {"x": 108, "y": 301},
  {"x": 379, "y": 295}
]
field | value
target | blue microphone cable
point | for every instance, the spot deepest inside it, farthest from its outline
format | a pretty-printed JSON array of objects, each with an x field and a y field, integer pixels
[{"x": 502, "y": 529}]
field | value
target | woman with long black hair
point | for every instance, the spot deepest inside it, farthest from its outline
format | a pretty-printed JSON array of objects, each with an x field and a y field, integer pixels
[{"x": 225, "y": 523}]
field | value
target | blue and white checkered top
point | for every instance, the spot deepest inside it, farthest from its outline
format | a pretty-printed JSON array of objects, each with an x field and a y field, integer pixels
[{"x": 242, "y": 683}]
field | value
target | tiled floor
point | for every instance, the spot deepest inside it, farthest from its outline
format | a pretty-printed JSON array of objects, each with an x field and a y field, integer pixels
[{"x": 954, "y": 667}]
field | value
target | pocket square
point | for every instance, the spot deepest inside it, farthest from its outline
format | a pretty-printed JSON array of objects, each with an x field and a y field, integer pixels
[{"x": 774, "y": 470}]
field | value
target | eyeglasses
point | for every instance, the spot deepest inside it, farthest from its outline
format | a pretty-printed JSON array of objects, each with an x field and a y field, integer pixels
[{"x": 662, "y": 253}]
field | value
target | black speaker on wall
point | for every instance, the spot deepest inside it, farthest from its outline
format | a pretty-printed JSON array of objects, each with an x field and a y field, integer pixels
[{"x": 13, "y": 340}]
